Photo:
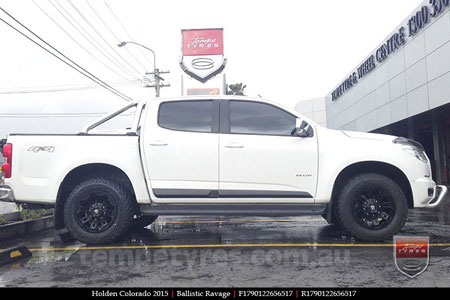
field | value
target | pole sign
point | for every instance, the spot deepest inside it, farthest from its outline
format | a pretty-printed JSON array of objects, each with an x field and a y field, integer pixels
[
  {"x": 202, "y": 53},
  {"x": 414, "y": 25}
]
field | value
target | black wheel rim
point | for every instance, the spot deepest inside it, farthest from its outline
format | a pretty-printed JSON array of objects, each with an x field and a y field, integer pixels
[
  {"x": 373, "y": 209},
  {"x": 96, "y": 212}
]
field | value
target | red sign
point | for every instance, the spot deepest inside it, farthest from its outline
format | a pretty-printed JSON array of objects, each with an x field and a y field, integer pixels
[
  {"x": 411, "y": 254},
  {"x": 203, "y": 91},
  {"x": 411, "y": 247},
  {"x": 202, "y": 42}
]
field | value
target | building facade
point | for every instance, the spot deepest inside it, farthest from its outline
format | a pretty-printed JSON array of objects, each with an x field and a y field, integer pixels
[
  {"x": 403, "y": 86},
  {"x": 313, "y": 109}
]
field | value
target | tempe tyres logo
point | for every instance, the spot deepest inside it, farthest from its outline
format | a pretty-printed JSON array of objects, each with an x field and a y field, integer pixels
[
  {"x": 411, "y": 254},
  {"x": 202, "y": 53}
]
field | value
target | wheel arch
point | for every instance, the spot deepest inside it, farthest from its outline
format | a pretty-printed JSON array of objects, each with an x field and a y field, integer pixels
[
  {"x": 382, "y": 168},
  {"x": 83, "y": 173}
]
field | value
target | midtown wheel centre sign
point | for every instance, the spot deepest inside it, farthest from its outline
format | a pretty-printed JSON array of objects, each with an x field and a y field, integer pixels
[
  {"x": 414, "y": 25},
  {"x": 202, "y": 53}
]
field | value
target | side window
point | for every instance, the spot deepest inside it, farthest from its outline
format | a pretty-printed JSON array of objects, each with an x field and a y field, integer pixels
[
  {"x": 259, "y": 118},
  {"x": 186, "y": 115}
]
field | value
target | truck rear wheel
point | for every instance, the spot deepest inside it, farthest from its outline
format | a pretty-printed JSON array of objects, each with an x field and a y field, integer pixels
[
  {"x": 99, "y": 211},
  {"x": 372, "y": 207}
]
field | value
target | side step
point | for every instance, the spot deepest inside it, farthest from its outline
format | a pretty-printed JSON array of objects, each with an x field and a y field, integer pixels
[{"x": 234, "y": 209}]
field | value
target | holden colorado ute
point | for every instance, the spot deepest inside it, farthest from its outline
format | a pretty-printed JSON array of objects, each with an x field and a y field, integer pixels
[{"x": 225, "y": 156}]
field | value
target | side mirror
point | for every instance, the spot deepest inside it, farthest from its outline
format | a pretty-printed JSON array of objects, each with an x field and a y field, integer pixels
[{"x": 302, "y": 128}]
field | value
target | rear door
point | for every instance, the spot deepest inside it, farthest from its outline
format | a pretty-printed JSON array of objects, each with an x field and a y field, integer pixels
[
  {"x": 181, "y": 150},
  {"x": 261, "y": 160}
]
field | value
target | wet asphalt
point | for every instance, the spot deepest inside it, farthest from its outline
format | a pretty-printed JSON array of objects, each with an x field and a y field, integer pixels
[{"x": 233, "y": 252}]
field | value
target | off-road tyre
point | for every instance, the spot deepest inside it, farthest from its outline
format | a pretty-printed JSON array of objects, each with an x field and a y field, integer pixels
[
  {"x": 371, "y": 207},
  {"x": 99, "y": 211}
]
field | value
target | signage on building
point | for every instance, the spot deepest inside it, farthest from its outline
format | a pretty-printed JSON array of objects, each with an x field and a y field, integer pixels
[
  {"x": 202, "y": 53},
  {"x": 203, "y": 91},
  {"x": 417, "y": 21}
]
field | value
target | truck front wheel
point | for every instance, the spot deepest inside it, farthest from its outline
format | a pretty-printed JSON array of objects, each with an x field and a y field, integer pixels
[
  {"x": 99, "y": 211},
  {"x": 372, "y": 207}
]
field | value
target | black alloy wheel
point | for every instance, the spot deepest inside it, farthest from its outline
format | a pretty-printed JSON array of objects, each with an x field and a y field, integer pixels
[
  {"x": 374, "y": 209},
  {"x": 96, "y": 212}
]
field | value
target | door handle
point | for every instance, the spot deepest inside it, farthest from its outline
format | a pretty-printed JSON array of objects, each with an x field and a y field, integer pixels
[
  {"x": 234, "y": 146},
  {"x": 158, "y": 143}
]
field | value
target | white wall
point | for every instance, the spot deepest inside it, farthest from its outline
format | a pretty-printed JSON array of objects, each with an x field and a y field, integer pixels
[
  {"x": 313, "y": 109},
  {"x": 414, "y": 79},
  {"x": 57, "y": 112}
]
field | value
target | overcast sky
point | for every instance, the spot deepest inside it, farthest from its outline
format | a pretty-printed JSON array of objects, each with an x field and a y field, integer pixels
[{"x": 283, "y": 50}]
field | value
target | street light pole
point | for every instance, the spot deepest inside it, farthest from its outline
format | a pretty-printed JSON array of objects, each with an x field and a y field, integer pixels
[{"x": 155, "y": 70}]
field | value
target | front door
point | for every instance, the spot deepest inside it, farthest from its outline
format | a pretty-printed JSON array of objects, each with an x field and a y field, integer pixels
[{"x": 260, "y": 157}]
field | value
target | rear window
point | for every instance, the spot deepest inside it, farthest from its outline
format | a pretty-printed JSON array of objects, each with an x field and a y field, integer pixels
[{"x": 186, "y": 115}]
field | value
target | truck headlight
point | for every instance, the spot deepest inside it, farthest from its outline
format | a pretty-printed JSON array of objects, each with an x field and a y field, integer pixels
[{"x": 413, "y": 148}]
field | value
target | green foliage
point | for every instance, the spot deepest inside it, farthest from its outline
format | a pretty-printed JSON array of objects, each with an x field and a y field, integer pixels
[
  {"x": 3, "y": 220},
  {"x": 30, "y": 214},
  {"x": 236, "y": 89}
]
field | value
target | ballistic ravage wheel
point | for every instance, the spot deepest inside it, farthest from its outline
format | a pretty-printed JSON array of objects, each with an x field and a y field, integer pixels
[
  {"x": 98, "y": 211},
  {"x": 372, "y": 207}
]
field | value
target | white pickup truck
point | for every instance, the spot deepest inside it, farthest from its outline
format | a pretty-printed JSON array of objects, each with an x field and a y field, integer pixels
[{"x": 221, "y": 155}]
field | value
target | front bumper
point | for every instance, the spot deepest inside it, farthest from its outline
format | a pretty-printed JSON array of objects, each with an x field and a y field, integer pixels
[
  {"x": 426, "y": 193},
  {"x": 439, "y": 193},
  {"x": 6, "y": 194}
]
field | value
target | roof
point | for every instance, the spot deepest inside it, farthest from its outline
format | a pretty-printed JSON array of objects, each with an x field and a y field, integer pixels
[{"x": 210, "y": 97}]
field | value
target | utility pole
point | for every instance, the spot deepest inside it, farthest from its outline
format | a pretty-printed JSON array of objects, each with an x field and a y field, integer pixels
[
  {"x": 158, "y": 84},
  {"x": 156, "y": 72}
]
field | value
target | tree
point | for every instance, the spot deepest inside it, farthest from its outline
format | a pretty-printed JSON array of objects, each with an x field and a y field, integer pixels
[{"x": 236, "y": 89}]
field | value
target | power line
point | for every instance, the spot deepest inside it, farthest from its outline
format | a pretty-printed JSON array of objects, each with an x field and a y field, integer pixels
[
  {"x": 57, "y": 115},
  {"x": 58, "y": 89},
  {"x": 49, "y": 115},
  {"x": 76, "y": 85},
  {"x": 74, "y": 40},
  {"x": 101, "y": 36},
  {"x": 89, "y": 38},
  {"x": 109, "y": 29},
  {"x": 84, "y": 72},
  {"x": 126, "y": 31}
]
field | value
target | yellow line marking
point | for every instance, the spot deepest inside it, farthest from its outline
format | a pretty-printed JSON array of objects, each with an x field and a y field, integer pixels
[{"x": 222, "y": 246}]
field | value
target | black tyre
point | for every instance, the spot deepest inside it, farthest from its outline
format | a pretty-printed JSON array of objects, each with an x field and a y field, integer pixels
[
  {"x": 143, "y": 221},
  {"x": 99, "y": 211},
  {"x": 372, "y": 207}
]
